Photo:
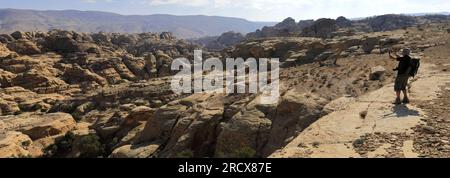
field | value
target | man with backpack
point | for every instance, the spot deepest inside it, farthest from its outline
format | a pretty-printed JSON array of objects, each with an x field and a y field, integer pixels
[{"x": 407, "y": 67}]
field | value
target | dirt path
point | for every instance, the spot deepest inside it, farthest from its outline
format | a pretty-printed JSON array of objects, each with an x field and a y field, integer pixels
[{"x": 370, "y": 126}]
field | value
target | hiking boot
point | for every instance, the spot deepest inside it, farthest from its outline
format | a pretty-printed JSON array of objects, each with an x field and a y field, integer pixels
[
  {"x": 397, "y": 101},
  {"x": 405, "y": 101}
]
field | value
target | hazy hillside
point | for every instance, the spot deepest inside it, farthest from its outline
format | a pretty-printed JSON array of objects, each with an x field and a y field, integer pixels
[{"x": 90, "y": 21}]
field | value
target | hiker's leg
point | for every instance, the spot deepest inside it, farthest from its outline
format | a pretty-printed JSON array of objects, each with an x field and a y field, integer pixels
[
  {"x": 405, "y": 99},
  {"x": 398, "y": 94},
  {"x": 397, "y": 100},
  {"x": 405, "y": 93}
]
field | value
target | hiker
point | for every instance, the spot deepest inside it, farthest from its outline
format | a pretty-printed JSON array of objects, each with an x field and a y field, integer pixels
[{"x": 403, "y": 74}]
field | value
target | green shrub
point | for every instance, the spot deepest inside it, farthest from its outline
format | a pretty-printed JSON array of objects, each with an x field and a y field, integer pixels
[
  {"x": 90, "y": 146},
  {"x": 244, "y": 152},
  {"x": 185, "y": 154},
  {"x": 61, "y": 147}
]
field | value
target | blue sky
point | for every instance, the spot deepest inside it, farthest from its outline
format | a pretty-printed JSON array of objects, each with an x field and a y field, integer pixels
[{"x": 257, "y": 10}]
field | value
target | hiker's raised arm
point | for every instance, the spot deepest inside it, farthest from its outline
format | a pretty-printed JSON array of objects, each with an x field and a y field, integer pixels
[{"x": 395, "y": 56}]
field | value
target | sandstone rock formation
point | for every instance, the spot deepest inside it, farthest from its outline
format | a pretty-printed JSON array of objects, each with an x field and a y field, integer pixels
[
  {"x": 109, "y": 94},
  {"x": 23, "y": 46},
  {"x": 322, "y": 28},
  {"x": 38, "y": 126},
  {"x": 377, "y": 73},
  {"x": 14, "y": 145}
]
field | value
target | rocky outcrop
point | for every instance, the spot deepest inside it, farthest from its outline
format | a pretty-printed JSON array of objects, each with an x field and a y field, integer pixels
[
  {"x": 287, "y": 27},
  {"x": 61, "y": 41},
  {"x": 20, "y": 35},
  {"x": 38, "y": 126},
  {"x": 166, "y": 36},
  {"x": 265, "y": 128},
  {"x": 163, "y": 63},
  {"x": 390, "y": 22},
  {"x": 14, "y": 145},
  {"x": 130, "y": 151},
  {"x": 39, "y": 81},
  {"x": 343, "y": 22},
  {"x": 6, "y": 78},
  {"x": 76, "y": 74},
  {"x": 25, "y": 47},
  {"x": 136, "y": 66},
  {"x": 8, "y": 107},
  {"x": 117, "y": 87},
  {"x": 225, "y": 40},
  {"x": 6, "y": 38},
  {"x": 322, "y": 28},
  {"x": 369, "y": 43},
  {"x": 204, "y": 125}
]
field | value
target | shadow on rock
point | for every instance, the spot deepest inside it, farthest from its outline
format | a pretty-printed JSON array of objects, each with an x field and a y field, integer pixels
[{"x": 404, "y": 111}]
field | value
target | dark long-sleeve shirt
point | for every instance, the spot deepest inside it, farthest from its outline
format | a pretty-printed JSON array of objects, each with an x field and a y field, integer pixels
[{"x": 404, "y": 64}]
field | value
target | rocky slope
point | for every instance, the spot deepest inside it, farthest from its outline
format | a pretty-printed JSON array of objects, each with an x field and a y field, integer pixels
[
  {"x": 70, "y": 94},
  {"x": 327, "y": 28}
]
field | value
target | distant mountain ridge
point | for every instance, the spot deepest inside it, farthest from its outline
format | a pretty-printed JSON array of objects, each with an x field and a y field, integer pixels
[{"x": 192, "y": 26}]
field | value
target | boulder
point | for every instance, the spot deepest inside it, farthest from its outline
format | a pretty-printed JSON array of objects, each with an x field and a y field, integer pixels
[
  {"x": 134, "y": 151},
  {"x": 6, "y": 78},
  {"x": 37, "y": 81},
  {"x": 136, "y": 65},
  {"x": 14, "y": 145},
  {"x": 150, "y": 65},
  {"x": 38, "y": 126},
  {"x": 246, "y": 130},
  {"x": 295, "y": 112},
  {"x": 24, "y": 46},
  {"x": 6, "y": 53},
  {"x": 163, "y": 64},
  {"x": 19, "y": 35},
  {"x": 163, "y": 118},
  {"x": 82, "y": 110},
  {"x": 121, "y": 69},
  {"x": 139, "y": 114},
  {"x": 369, "y": 43},
  {"x": 448, "y": 30},
  {"x": 8, "y": 107},
  {"x": 5, "y": 38},
  {"x": 166, "y": 36},
  {"x": 377, "y": 73},
  {"x": 76, "y": 74}
]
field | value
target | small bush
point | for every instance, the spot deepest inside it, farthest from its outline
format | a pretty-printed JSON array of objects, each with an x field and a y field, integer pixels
[
  {"x": 90, "y": 146},
  {"x": 245, "y": 152},
  {"x": 61, "y": 147},
  {"x": 185, "y": 154},
  {"x": 26, "y": 143}
]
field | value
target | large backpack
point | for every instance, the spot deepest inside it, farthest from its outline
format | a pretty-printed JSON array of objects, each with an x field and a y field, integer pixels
[{"x": 415, "y": 65}]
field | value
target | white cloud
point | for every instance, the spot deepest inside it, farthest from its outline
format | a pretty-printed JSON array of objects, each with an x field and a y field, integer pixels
[
  {"x": 176, "y": 2},
  {"x": 276, "y": 10},
  {"x": 95, "y": 1},
  {"x": 249, "y": 4}
]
